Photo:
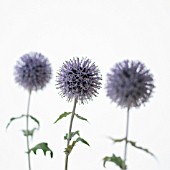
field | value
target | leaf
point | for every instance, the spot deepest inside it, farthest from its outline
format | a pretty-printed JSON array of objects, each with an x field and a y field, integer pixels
[
  {"x": 43, "y": 146},
  {"x": 139, "y": 147},
  {"x": 14, "y": 118},
  {"x": 33, "y": 118},
  {"x": 117, "y": 140},
  {"x": 80, "y": 117},
  {"x": 66, "y": 137},
  {"x": 82, "y": 140},
  {"x": 70, "y": 147},
  {"x": 62, "y": 116},
  {"x": 29, "y": 132},
  {"x": 115, "y": 159}
]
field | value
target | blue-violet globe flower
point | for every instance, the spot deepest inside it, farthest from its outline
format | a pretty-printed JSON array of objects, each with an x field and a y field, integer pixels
[
  {"x": 33, "y": 71},
  {"x": 78, "y": 78},
  {"x": 129, "y": 84}
]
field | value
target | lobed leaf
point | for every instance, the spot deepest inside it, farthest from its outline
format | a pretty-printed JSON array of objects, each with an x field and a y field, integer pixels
[
  {"x": 43, "y": 146},
  {"x": 139, "y": 147},
  {"x": 65, "y": 114},
  {"x": 115, "y": 159}
]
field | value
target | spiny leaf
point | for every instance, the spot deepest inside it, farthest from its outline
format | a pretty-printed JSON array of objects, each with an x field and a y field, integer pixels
[
  {"x": 80, "y": 117},
  {"x": 29, "y": 132},
  {"x": 14, "y": 118},
  {"x": 115, "y": 159},
  {"x": 117, "y": 140},
  {"x": 66, "y": 137},
  {"x": 65, "y": 114},
  {"x": 82, "y": 140},
  {"x": 139, "y": 147},
  {"x": 43, "y": 146}
]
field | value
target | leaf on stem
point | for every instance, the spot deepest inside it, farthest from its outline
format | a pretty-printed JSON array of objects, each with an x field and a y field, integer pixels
[
  {"x": 65, "y": 114},
  {"x": 80, "y": 117},
  {"x": 117, "y": 140},
  {"x": 43, "y": 146},
  {"x": 29, "y": 132},
  {"x": 15, "y": 118},
  {"x": 139, "y": 147},
  {"x": 82, "y": 140},
  {"x": 115, "y": 159},
  {"x": 66, "y": 137},
  {"x": 70, "y": 147},
  {"x": 33, "y": 118}
]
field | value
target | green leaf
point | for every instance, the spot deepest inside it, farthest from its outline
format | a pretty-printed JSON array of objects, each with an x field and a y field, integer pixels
[
  {"x": 29, "y": 132},
  {"x": 115, "y": 159},
  {"x": 139, "y": 147},
  {"x": 80, "y": 117},
  {"x": 33, "y": 118},
  {"x": 82, "y": 140},
  {"x": 70, "y": 147},
  {"x": 43, "y": 146},
  {"x": 65, "y": 114},
  {"x": 14, "y": 118},
  {"x": 117, "y": 140},
  {"x": 66, "y": 137}
]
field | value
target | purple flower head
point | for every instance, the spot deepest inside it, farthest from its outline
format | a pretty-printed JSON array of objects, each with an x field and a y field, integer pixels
[
  {"x": 79, "y": 78},
  {"x": 129, "y": 84},
  {"x": 33, "y": 71}
]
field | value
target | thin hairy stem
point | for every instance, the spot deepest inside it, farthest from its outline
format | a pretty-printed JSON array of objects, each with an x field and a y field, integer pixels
[
  {"x": 69, "y": 133},
  {"x": 27, "y": 128},
  {"x": 126, "y": 139}
]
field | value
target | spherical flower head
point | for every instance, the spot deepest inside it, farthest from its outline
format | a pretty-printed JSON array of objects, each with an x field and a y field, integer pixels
[
  {"x": 79, "y": 79},
  {"x": 33, "y": 71},
  {"x": 129, "y": 84}
]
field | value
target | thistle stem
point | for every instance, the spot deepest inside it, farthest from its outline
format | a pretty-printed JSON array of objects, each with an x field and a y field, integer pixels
[
  {"x": 27, "y": 128},
  {"x": 126, "y": 139},
  {"x": 69, "y": 134}
]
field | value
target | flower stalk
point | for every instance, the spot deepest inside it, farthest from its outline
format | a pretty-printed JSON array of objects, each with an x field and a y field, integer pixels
[
  {"x": 69, "y": 134},
  {"x": 27, "y": 129},
  {"x": 126, "y": 139}
]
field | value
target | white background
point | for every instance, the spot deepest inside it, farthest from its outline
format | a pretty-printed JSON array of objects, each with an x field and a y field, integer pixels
[{"x": 106, "y": 31}]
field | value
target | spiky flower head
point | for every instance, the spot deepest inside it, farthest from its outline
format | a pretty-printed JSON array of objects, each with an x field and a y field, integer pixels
[
  {"x": 129, "y": 84},
  {"x": 79, "y": 78},
  {"x": 33, "y": 71}
]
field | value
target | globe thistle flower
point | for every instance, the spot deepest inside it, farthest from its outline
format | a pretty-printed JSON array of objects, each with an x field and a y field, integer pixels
[
  {"x": 78, "y": 78},
  {"x": 33, "y": 71},
  {"x": 129, "y": 84}
]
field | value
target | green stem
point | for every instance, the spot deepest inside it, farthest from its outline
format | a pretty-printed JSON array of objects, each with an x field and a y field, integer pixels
[
  {"x": 126, "y": 138},
  {"x": 27, "y": 128},
  {"x": 69, "y": 134}
]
